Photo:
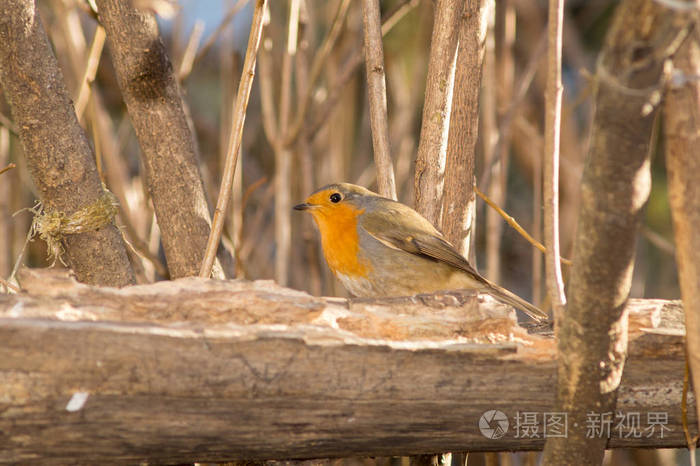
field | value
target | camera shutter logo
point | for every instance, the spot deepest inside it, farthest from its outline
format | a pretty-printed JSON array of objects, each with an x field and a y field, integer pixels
[{"x": 493, "y": 424}]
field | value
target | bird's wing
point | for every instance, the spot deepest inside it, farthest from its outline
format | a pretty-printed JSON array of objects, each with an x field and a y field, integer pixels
[{"x": 401, "y": 227}]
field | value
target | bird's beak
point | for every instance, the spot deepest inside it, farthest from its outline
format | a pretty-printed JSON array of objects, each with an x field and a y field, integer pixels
[{"x": 304, "y": 206}]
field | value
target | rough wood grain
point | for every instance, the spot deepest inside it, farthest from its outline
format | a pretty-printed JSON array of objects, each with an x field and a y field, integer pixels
[
  {"x": 432, "y": 145},
  {"x": 218, "y": 370},
  {"x": 157, "y": 112},
  {"x": 59, "y": 156}
]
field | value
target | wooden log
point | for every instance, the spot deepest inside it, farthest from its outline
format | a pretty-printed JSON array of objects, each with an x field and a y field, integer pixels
[{"x": 205, "y": 370}]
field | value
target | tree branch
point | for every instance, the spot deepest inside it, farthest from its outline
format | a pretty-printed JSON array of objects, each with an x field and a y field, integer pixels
[
  {"x": 553, "y": 94},
  {"x": 593, "y": 340},
  {"x": 376, "y": 92},
  {"x": 234, "y": 143},
  {"x": 156, "y": 109},
  {"x": 58, "y": 153},
  {"x": 458, "y": 202},
  {"x": 432, "y": 146}
]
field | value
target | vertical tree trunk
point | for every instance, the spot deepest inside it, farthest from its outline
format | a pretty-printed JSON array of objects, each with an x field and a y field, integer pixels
[
  {"x": 153, "y": 99},
  {"x": 615, "y": 187},
  {"x": 432, "y": 147},
  {"x": 58, "y": 153},
  {"x": 682, "y": 131},
  {"x": 458, "y": 202}
]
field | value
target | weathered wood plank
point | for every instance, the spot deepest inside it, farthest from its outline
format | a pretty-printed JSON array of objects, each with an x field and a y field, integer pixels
[{"x": 207, "y": 370}]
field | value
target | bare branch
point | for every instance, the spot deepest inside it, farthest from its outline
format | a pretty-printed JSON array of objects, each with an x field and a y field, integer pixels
[
  {"x": 158, "y": 114},
  {"x": 376, "y": 91},
  {"x": 459, "y": 203},
  {"x": 283, "y": 155},
  {"x": 553, "y": 94},
  {"x": 234, "y": 145}
]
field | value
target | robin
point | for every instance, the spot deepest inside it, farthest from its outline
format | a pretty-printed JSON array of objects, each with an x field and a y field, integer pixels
[{"x": 380, "y": 247}]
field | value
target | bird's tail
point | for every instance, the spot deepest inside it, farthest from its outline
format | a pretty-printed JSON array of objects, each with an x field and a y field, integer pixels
[{"x": 516, "y": 301}]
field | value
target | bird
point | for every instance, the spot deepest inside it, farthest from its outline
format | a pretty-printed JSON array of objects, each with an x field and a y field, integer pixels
[{"x": 379, "y": 247}]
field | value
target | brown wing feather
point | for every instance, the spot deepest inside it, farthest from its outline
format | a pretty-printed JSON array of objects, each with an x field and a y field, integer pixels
[
  {"x": 416, "y": 235},
  {"x": 403, "y": 228}
]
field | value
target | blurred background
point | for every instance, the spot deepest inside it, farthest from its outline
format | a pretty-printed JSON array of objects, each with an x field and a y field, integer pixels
[{"x": 206, "y": 41}]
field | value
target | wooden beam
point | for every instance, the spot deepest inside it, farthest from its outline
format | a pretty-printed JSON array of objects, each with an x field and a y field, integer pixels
[{"x": 205, "y": 370}]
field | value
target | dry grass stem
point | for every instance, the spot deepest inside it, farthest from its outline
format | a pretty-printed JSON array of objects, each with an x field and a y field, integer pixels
[
  {"x": 234, "y": 145},
  {"x": 91, "y": 64}
]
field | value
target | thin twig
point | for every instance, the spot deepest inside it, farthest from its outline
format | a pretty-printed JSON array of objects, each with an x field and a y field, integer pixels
[
  {"x": 659, "y": 241},
  {"x": 376, "y": 90},
  {"x": 93, "y": 61},
  {"x": 188, "y": 56},
  {"x": 234, "y": 145},
  {"x": 397, "y": 14},
  {"x": 553, "y": 95},
  {"x": 536, "y": 224},
  {"x": 348, "y": 70},
  {"x": 7, "y": 168},
  {"x": 317, "y": 68},
  {"x": 139, "y": 246},
  {"x": 516, "y": 226}
]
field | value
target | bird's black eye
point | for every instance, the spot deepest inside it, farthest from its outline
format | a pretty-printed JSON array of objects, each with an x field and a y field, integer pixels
[{"x": 336, "y": 197}]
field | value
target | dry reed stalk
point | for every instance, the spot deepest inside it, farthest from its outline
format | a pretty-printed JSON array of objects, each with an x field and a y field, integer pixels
[{"x": 234, "y": 145}]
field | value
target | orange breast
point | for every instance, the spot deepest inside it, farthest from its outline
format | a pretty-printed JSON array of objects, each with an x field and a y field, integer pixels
[{"x": 340, "y": 240}]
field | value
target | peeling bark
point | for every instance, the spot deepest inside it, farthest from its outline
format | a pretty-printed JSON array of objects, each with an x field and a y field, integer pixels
[{"x": 205, "y": 370}]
